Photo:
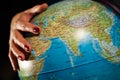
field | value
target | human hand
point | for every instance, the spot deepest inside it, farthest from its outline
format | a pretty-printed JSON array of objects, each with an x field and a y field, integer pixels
[{"x": 18, "y": 45}]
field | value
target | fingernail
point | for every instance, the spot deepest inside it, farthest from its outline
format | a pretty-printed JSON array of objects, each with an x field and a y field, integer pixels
[
  {"x": 36, "y": 30},
  {"x": 26, "y": 48},
  {"x": 20, "y": 58}
]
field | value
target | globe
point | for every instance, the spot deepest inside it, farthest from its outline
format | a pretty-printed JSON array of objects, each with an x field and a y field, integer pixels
[{"x": 79, "y": 40}]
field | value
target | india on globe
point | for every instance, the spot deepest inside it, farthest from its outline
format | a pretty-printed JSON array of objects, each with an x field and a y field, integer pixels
[{"x": 79, "y": 40}]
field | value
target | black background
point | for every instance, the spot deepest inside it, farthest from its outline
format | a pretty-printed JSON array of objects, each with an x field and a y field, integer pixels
[{"x": 8, "y": 8}]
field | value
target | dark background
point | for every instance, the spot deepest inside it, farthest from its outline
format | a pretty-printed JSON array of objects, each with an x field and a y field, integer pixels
[{"x": 8, "y": 8}]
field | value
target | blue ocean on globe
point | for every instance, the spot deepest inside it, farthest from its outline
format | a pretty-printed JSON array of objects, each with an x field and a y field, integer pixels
[{"x": 95, "y": 58}]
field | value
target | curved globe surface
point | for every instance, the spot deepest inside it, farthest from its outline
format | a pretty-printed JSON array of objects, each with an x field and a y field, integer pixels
[{"x": 79, "y": 40}]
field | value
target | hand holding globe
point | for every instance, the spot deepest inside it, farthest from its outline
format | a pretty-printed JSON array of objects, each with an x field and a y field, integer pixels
[
  {"x": 21, "y": 23},
  {"x": 77, "y": 39}
]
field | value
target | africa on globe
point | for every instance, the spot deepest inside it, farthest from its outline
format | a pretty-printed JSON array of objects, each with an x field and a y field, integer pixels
[{"x": 79, "y": 40}]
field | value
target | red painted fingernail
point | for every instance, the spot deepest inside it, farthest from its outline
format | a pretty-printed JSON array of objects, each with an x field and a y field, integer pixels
[
  {"x": 20, "y": 58},
  {"x": 36, "y": 30},
  {"x": 26, "y": 48}
]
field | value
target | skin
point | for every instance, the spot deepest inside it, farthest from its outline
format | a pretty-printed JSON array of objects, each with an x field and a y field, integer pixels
[{"x": 18, "y": 45}]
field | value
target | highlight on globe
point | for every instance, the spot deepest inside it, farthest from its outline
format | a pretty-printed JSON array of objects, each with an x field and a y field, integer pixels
[{"x": 79, "y": 40}]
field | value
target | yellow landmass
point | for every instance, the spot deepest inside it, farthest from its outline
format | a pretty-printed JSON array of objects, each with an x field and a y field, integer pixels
[
  {"x": 60, "y": 27},
  {"x": 38, "y": 45}
]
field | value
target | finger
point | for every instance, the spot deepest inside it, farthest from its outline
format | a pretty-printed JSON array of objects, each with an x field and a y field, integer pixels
[
  {"x": 37, "y": 9},
  {"x": 28, "y": 14},
  {"x": 17, "y": 51},
  {"x": 21, "y": 41},
  {"x": 24, "y": 25},
  {"x": 28, "y": 27},
  {"x": 13, "y": 61}
]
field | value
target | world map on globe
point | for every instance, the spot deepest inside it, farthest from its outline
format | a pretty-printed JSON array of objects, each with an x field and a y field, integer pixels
[{"x": 79, "y": 40}]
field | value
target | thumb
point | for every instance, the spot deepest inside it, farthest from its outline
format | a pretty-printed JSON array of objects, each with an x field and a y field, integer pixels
[{"x": 37, "y": 9}]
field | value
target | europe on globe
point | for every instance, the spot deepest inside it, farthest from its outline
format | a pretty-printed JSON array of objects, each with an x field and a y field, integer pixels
[{"x": 79, "y": 40}]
